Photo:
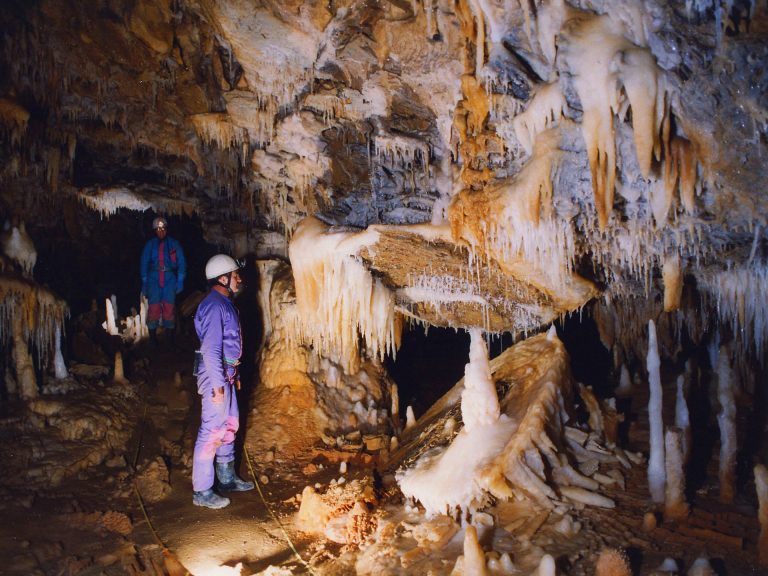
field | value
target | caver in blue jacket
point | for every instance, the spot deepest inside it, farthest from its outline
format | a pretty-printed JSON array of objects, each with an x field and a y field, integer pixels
[{"x": 163, "y": 270}]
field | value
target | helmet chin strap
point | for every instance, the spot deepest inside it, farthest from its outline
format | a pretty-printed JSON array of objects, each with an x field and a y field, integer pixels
[{"x": 228, "y": 276}]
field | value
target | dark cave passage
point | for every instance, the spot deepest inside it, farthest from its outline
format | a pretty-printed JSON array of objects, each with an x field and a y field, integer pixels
[{"x": 428, "y": 364}]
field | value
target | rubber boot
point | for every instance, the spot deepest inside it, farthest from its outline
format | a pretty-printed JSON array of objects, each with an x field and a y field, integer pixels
[
  {"x": 228, "y": 479},
  {"x": 209, "y": 499}
]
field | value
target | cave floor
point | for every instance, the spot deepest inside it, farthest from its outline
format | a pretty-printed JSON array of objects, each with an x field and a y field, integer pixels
[{"x": 96, "y": 524}]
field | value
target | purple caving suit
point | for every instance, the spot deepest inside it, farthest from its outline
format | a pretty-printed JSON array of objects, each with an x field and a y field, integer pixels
[{"x": 218, "y": 328}]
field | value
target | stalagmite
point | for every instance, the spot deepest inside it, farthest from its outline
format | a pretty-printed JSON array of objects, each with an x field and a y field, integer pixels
[
  {"x": 592, "y": 405},
  {"x": 675, "y": 506},
  {"x": 649, "y": 522},
  {"x": 682, "y": 419},
  {"x": 726, "y": 420},
  {"x": 395, "y": 406},
  {"x": 701, "y": 567},
  {"x": 761, "y": 484},
  {"x": 143, "y": 308},
  {"x": 612, "y": 562},
  {"x": 110, "y": 325},
  {"x": 410, "y": 419},
  {"x": 474, "y": 557},
  {"x": 547, "y": 566},
  {"x": 59, "y": 367},
  {"x": 119, "y": 373},
  {"x": 479, "y": 403},
  {"x": 625, "y": 382},
  {"x": 673, "y": 283},
  {"x": 656, "y": 478},
  {"x": 667, "y": 568},
  {"x": 22, "y": 361}
]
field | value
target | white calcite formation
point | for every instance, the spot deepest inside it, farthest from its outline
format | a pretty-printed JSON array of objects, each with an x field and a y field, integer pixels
[
  {"x": 675, "y": 505},
  {"x": 450, "y": 163},
  {"x": 305, "y": 395},
  {"x": 504, "y": 457},
  {"x": 31, "y": 318},
  {"x": 18, "y": 246},
  {"x": 448, "y": 480},
  {"x": 656, "y": 467},
  {"x": 726, "y": 420}
]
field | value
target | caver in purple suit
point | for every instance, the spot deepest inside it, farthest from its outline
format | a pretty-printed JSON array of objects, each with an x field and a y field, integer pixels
[{"x": 218, "y": 328}]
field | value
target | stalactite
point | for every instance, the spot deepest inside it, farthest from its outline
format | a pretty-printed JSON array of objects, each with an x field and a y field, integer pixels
[
  {"x": 32, "y": 311},
  {"x": 543, "y": 112},
  {"x": 108, "y": 201},
  {"x": 641, "y": 78},
  {"x": 603, "y": 61},
  {"x": 338, "y": 299},
  {"x": 738, "y": 296},
  {"x": 13, "y": 119},
  {"x": 477, "y": 10},
  {"x": 18, "y": 246},
  {"x": 217, "y": 128}
]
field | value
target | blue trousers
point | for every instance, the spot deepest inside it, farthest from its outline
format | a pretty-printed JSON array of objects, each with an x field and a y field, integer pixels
[{"x": 219, "y": 422}]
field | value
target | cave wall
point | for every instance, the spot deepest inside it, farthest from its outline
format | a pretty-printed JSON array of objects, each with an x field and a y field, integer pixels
[{"x": 623, "y": 141}]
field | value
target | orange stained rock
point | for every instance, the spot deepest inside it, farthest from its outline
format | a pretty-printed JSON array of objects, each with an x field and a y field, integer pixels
[{"x": 475, "y": 103}]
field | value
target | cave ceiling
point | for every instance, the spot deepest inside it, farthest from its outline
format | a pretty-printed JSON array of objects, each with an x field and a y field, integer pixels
[{"x": 615, "y": 140}]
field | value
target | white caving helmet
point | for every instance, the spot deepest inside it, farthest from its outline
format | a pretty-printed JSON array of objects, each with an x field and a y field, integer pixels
[
  {"x": 158, "y": 222},
  {"x": 219, "y": 265}
]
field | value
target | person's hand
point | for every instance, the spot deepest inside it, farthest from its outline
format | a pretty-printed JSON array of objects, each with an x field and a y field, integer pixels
[{"x": 144, "y": 290}]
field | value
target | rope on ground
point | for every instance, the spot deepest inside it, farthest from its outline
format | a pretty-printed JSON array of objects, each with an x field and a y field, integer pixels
[
  {"x": 274, "y": 516},
  {"x": 163, "y": 547},
  {"x": 141, "y": 437}
]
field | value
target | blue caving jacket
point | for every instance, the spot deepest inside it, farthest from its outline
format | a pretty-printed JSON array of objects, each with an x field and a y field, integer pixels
[{"x": 174, "y": 269}]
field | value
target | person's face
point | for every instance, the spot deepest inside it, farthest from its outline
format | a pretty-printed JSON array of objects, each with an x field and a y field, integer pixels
[
  {"x": 161, "y": 232},
  {"x": 235, "y": 282}
]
